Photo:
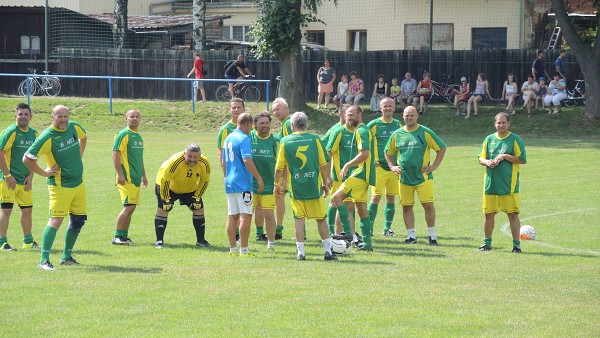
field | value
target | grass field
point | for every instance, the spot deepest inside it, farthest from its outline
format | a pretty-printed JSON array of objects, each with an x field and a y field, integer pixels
[{"x": 551, "y": 290}]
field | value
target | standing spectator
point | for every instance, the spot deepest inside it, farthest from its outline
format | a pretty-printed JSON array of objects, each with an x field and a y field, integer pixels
[
  {"x": 380, "y": 91},
  {"x": 199, "y": 65},
  {"x": 309, "y": 181},
  {"x": 239, "y": 170},
  {"x": 501, "y": 153},
  {"x": 409, "y": 89},
  {"x": 558, "y": 92},
  {"x": 237, "y": 70},
  {"x": 62, "y": 145},
  {"x": 128, "y": 160},
  {"x": 529, "y": 89},
  {"x": 482, "y": 88},
  {"x": 423, "y": 92},
  {"x": 510, "y": 91},
  {"x": 537, "y": 69},
  {"x": 461, "y": 94},
  {"x": 357, "y": 89},
  {"x": 325, "y": 76},
  {"x": 559, "y": 64},
  {"x": 342, "y": 91},
  {"x": 413, "y": 144},
  {"x": 184, "y": 177},
  {"x": 15, "y": 183}
]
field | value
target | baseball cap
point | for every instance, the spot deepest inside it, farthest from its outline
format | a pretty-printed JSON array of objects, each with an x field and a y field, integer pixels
[
  {"x": 542, "y": 78},
  {"x": 463, "y": 79}
]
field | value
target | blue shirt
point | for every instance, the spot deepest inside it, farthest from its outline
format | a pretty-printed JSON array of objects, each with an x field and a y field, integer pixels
[
  {"x": 560, "y": 64},
  {"x": 236, "y": 148}
]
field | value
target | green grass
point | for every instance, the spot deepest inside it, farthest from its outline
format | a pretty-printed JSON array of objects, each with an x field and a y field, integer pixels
[{"x": 452, "y": 290}]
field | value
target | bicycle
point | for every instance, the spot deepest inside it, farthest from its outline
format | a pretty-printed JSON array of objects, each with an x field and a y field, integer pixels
[
  {"x": 576, "y": 96},
  {"x": 249, "y": 92},
  {"x": 38, "y": 85},
  {"x": 444, "y": 90}
]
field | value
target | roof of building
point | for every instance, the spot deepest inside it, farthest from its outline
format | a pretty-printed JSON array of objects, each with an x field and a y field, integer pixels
[{"x": 155, "y": 21}]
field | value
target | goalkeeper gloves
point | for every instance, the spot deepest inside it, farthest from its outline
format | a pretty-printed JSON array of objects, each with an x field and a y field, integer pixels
[
  {"x": 196, "y": 204},
  {"x": 167, "y": 205}
]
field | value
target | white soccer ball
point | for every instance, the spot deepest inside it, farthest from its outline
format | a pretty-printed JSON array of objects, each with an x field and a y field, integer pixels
[
  {"x": 340, "y": 247},
  {"x": 528, "y": 233}
]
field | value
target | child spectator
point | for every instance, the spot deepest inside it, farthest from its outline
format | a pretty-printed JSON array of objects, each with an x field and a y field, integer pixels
[{"x": 342, "y": 91}]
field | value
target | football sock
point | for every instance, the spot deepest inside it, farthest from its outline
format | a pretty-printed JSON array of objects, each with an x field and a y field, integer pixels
[
  {"x": 27, "y": 239},
  {"x": 390, "y": 211},
  {"x": 279, "y": 230},
  {"x": 354, "y": 237},
  {"x": 47, "y": 241},
  {"x": 125, "y": 234},
  {"x": 244, "y": 250},
  {"x": 119, "y": 233},
  {"x": 487, "y": 242},
  {"x": 372, "y": 209},
  {"x": 327, "y": 245},
  {"x": 70, "y": 239},
  {"x": 431, "y": 232},
  {"x": 412, "y": 233},
  {"x": 3, "y": 240},
  {"x": 365, "y": 228},
  {"x": 234, "y": 250},
  {"x": 331, "y": 218},
  {"x": 160, "y": 225},
  {"x": 300, "y": 247},
  {"x": 199, "y": 225},
  {"x": 517, "y": 243},
  {"x": 270, "y": 244},
  {"x": 344, "y": 217},
  {"x": 260, "y": 231}
]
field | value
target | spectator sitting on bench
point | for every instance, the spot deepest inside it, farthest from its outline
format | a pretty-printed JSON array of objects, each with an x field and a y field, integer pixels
[
  {"x": 357, "y": 89},
  {"x": 540, "y": 93},
  {"x": 395, "y": 90},
  {"x": 342, "y": 91},
  {"x": 409, "y": 88},
  {"x": 529, "y": 89},
  {"x": 482, "y": 88},
  {"x": 558, "y": 92},
  {"x": 510, "y": 91},
  {"x": 380, "y": 91},
  {"x": 423, "y": 92},
  {"x": 461, "y": 95}
]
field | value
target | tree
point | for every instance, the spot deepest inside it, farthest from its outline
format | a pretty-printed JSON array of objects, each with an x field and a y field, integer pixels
[
  {"x": 586, "y": 53},
  {"x": 199, "y": 30},
  {"x": 278, "y": 34},
  {"x": 120, "y": 26}
]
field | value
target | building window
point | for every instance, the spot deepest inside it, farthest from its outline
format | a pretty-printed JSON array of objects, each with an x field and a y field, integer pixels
[
  {"x": 238, "y": 33},
  {"x": 357, "y": 40},
  {"x": 30, "y": 45},
  {"x": 317, "y": 37},
  {"x": 489, "y": 38}
]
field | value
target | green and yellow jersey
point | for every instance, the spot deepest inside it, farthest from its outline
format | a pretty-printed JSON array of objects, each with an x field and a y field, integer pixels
[
  {"x": 264, "y": 154},
  {"x": 177, "y": 176},
  {"x": 15, "y": 142},
  {"x": 325, "y": 138},
  {"x": 130, "y": 146},
  {"x": 342, "y": 146},
  {"x": 381, "y": 132},
  {"x": 504, "y": 178},
  {"x": 364, "y": 141},
  {"x": 224, "y": 131},
  {"x": 286, "y": 128}
]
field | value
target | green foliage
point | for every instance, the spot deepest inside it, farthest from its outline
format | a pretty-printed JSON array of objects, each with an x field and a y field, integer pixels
[{"x": 277, "y": 30}]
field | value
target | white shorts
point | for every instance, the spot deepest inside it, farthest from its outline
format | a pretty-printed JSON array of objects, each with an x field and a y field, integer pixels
[{"x": 239, "y": 203}]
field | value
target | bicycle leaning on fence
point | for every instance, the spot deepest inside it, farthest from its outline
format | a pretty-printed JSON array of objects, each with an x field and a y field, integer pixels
[
  {"x": 576, "y": 96},
  {"x": 444, "y": 90},
  {"x": 245, "y": 90},
  {"x": 39, "y": 84}
]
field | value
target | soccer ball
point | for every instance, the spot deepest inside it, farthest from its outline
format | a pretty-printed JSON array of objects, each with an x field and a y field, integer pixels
[
  {"x": 340, "y": 247},
  {"x": 528, "y": 233}
]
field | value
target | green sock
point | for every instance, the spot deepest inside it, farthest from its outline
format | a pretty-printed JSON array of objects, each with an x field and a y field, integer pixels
[
  {"x": 344, "y": 217},
  {"x": 3, "y": 240},
  {"x": 279, "y": 230},
  {"x": 47, "y": 241},
  {"x": 260, "y": 231},
  {"x": 487, "y": 242},
  {"x": 70, "y": 239},
  {"x": 331, "y": 218},
  {"x": 517, "y": 243},
  {"x": 365, "y": 228},
  {"x": 120, "y": 233},
  {"x": 125, "y": 234},
  {"x": 28, "y": 239},
  {"x": 390, "y": 210},
  {"x": 372, "y": 209}
]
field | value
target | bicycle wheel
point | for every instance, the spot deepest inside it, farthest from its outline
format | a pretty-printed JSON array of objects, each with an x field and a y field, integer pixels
[
  {"x": 252, "y": 94},
  {"x": 449, "y": 93},
  {"x": 53, "y": 86},
  {"x": 222, "y": 93},
  {"x": 570, "y": 101},
  {"x": 23, "y": 87}
]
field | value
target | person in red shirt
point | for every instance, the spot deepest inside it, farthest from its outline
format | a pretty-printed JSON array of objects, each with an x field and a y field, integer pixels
[{"x": 198, "y": 85}]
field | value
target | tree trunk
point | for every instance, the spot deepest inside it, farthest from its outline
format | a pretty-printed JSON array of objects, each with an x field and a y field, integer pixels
[
  {"x": 199, "y": 30},
  {"x": 292, "y": 80},
  {"x": 120, "y": 26}
]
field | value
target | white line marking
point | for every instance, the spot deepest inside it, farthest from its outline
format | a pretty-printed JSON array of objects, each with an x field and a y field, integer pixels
[{"x": 505, "y": 229}]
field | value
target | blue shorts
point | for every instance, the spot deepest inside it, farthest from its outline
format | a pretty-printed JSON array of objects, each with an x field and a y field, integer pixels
[
  {"x": 231, "y": 77},
  {"x": 480, "y": 95}
]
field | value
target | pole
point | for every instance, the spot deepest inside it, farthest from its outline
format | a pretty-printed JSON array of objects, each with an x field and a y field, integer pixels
[
  {"x": 430, "y": 33},
  {"x": 110, "y": 95},
  {"x": 46, "y": 36}
]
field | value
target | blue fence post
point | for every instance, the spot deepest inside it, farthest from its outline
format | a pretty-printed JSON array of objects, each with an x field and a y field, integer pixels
[
  {"x": 193, "y": 98},
  {"x": 28, "y": 91},
  {"x": 268, "y": 92},
  {"x": 110, "y": 95}
]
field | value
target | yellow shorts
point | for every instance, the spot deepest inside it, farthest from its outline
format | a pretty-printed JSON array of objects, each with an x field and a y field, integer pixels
[
  {"x": 64, "y": 201},
  {"x": 335, "y": 186},
  {"x": 356, "y": 188},
  {"x": 386, "y": 180},
  {"x": 424, "y": 191},
  {"x": 267, "y": 202},
  {"x": 130, "y": 194},
  {"x": 22, "y": 197},
  {"x": 311, "y": 209},
  {"x": 507, "y": 203}
]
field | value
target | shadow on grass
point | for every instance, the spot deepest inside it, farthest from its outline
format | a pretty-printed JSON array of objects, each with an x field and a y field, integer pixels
[
  {"x": 121, "y": 269},
  {"x": 78, "y": 252},
  {"x": 564, "y": 254}
]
